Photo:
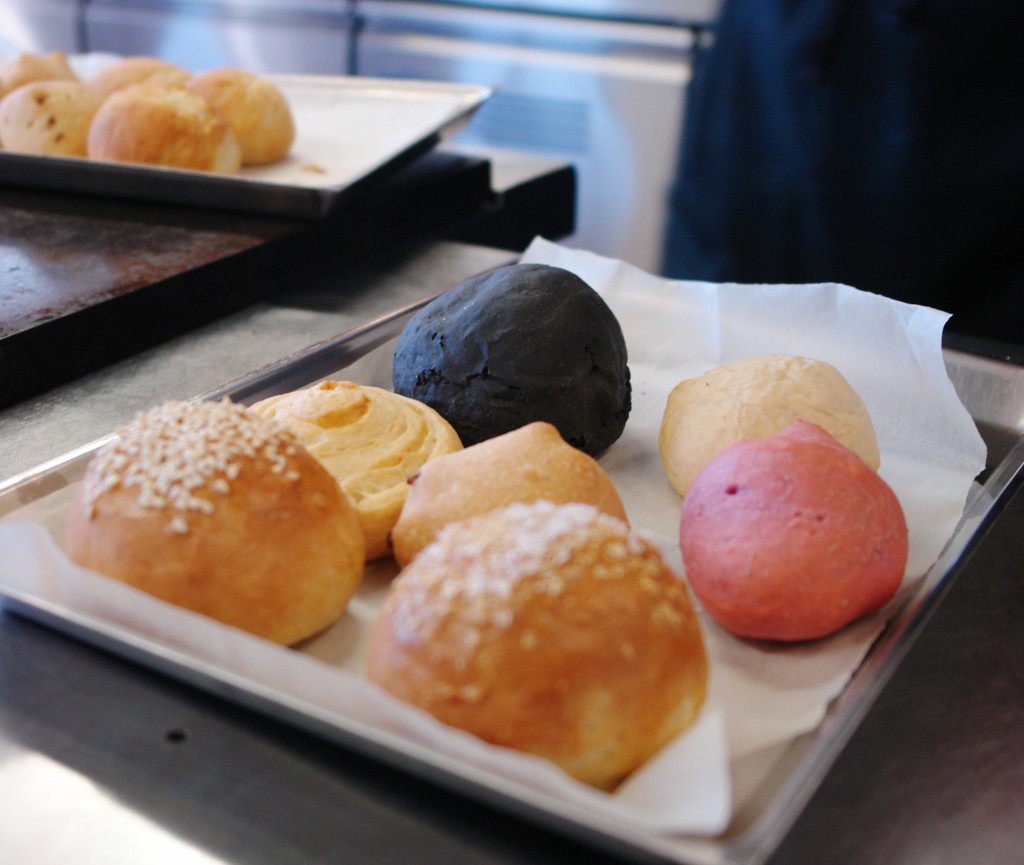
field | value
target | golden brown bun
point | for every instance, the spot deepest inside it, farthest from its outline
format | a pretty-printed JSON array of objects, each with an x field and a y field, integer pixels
[
  {"x": 754, "y": 398},
  {"x": 371, "y": 440},
  {"x": 26, "y": 68},
  {"x": 137, "y": 70},
  {"x": 254, "y": 108},
  {"x": 167, "y": 126},
  {"x": 218, "y": 510},
  {"x": 48, "y": 118},
  {"x": 547, "y": 628},
  {"x": 531, "y": 463}
]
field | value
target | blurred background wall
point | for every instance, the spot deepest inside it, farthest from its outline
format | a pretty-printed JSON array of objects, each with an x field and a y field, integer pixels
[{"x": 596, "y": 83}]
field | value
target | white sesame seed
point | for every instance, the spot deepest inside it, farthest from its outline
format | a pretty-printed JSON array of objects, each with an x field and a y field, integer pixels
[{"x": 173, "y": 453}]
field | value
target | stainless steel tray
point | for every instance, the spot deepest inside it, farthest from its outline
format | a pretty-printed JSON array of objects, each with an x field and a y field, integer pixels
[
  {"x": 993, "y": 393},
  {"x": 350, "y": 132}
]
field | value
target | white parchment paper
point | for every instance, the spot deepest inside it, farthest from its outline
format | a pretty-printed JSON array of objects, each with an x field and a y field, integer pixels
[{"x": 760, "y": 695}]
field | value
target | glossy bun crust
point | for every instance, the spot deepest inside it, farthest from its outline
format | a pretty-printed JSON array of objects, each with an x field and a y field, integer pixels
[
  {"x": 525, "y": 465},
  {"x": 551, "y": 629},
  {"x": 521, "y": 343},
  {"x": 791, "y": 537},
  {"x": 218, "y": 510}
]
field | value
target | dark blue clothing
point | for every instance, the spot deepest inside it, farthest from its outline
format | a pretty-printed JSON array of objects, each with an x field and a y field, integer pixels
[{"x": 879, "y": 143}]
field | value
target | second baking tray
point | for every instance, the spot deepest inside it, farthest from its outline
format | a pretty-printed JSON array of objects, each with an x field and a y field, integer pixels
[
  {"x": 769, "y": 794},
  {"x": 350, "y": 133}
]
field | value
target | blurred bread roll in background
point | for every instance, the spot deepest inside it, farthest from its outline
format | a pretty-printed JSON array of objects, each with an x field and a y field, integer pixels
[
  {"x": 530, "y": 463},
  {"x": 25, "y": 68},
  {"x": 754, "y": 398},
  {"x": 48, "y": 118},
  {"x": 255, "y": 109},
  {"x": 168, "y": 126},
  {"x": 137, "y": 70}
]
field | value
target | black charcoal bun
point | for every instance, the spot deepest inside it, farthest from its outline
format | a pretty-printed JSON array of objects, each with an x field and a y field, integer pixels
[{"x": 522, "y": 343}]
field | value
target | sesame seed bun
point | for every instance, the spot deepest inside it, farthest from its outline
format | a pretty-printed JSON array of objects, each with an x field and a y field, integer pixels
[
  {"x": 216, "y": 509},
  {"x": 551, "y": 629}
]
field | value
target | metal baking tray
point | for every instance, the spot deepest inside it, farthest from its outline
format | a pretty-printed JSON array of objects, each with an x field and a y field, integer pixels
[
  {"x": 774, "y": 791},
  {"x": 350, "y": 133}
]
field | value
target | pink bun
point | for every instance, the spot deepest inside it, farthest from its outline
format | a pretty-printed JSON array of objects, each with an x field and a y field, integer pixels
[{"x": 791, "y": 537}]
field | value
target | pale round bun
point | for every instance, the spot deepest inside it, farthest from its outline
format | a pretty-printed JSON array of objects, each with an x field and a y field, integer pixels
[
  {"x": 753, "y": 398},
  {"x": 137, "y": 70},
  {"x": 791, "y": 537},
  {"x": 218, "y": 510},
  {"x": 48, "y": 118},
  {"x": 371, "y": 440},
  {"x": 25, "y": 68},
  {"x": 166, "y": 126},
  {"x": 254, "y": 107},
  {"x": 527, "y": 464},
  {"x": 551, "y": 629}
]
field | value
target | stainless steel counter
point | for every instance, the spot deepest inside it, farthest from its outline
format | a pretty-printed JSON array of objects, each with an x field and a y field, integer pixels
[{"x": 104, "y": 761}]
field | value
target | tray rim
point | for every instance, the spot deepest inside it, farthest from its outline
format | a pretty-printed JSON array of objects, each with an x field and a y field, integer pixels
[
  {"x": 815, "y": 751},
  {"x": 244, "y": 193}
]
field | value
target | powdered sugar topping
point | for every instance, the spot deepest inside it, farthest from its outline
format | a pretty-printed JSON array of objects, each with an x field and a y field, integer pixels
[{"x": 522, "y": 550}]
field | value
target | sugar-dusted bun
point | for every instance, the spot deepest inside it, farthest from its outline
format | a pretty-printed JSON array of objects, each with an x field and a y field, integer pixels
[
  {"x": 530, "y": 463},
  {"x": 753, "y": 398},
  {"x": 255, "y": 108},
  {"x": 25, "y": 68},
  {"x": 166, "y": 126},
  {"x": 216, "y": 509},
  {"x": 550, "y": 629},
  {"x": 49, "y": 118},
  {"x": 791, "y": 537},
  {"x": 137, "y": 70},
  {"x": 371, "y": 440}
]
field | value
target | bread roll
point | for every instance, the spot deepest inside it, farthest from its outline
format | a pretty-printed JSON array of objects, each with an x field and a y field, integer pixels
[
  {"x": 165, "y": 126},
  {"x": 137, "y": 70},
  {"x": 371, "y": 440},
  {"x": 49, "y": 118},
  {"x": 525, "y": 465},
  {"x": 551, "y": 629},
  {"x": 520, "y": 343},
  {"x": 254, "y": 107},
  {"x": 753, "y": 398},
  {"x": 216, "y": 509},
  {"x": 25, "y": 68},
  {"x": 791, "y": 537}
]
